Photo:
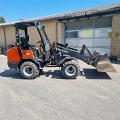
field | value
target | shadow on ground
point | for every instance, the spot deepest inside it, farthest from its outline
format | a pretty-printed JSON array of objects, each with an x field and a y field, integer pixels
[
  {"x": 11, "y": 74},
  {"x": 56, "y": 74},
  {"x": 94, "y": 74},
  {"x": 115, "y": 62}
]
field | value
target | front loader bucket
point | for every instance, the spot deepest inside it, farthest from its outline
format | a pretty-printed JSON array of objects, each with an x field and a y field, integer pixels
[{"x": 101, "y": 62}]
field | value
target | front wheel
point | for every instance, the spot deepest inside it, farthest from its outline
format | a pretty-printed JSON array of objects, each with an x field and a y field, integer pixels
[
  {"x": 29, "y": 70},
  {"x": 70, "y": 69}
]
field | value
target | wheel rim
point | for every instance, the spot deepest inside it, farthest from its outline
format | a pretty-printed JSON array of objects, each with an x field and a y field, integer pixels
[
  {"x": 28, "y": 70},
  {"x": 70, "y": 70}
]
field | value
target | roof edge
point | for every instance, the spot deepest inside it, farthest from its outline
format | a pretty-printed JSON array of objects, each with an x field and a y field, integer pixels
[{"x": 90, "y": 11}]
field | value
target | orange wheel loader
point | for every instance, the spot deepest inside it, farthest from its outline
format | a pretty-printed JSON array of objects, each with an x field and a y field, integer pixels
[{"x": 29, "y": 61}]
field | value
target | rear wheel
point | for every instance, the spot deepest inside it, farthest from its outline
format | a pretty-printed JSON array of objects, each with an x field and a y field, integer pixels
[
  {"x": 29, "y": 70},
  {"x": 70, "y": 69}
]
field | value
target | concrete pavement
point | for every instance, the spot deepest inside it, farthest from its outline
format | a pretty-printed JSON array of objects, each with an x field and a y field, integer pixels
[{"x": 93, "y": 96}]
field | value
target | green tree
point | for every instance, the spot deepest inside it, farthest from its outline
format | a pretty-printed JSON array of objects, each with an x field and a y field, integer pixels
[{"x": 2, "y": 19}]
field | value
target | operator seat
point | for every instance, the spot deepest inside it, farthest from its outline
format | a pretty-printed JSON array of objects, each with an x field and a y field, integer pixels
[{"x": 24, "y": 43}]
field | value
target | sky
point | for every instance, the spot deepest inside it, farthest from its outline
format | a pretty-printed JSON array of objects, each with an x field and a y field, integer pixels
[{"x": 14, "y": 10}]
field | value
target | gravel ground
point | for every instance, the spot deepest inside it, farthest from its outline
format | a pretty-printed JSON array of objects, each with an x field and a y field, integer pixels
[{"x": 93, "y": 96}]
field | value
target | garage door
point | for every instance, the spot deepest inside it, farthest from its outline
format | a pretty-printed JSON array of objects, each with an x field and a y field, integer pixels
[{"x": 95, "y": 34}]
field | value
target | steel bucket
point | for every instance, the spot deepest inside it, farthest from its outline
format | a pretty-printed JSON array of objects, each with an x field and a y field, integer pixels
[{"x": 101, "y": 62}]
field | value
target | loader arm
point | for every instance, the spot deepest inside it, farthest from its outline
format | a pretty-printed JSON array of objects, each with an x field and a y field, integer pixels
[{"x": 98, "y": 59}]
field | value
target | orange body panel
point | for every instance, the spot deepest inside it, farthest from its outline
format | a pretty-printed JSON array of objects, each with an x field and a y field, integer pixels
[
  {"x": 27, "y": 54},
  {"x": 13, "y": 55}
]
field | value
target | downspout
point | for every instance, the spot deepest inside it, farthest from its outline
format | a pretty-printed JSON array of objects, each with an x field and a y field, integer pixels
[
  {"x": 56, "y": 31},
  {"x": 5, "y": 37},
  {"x": 63, "y": 32}
]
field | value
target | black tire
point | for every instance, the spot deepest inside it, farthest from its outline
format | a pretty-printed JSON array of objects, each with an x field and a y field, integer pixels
[
  {"x": 70, "y": 69},
  {"x": 29, "y": 70}
]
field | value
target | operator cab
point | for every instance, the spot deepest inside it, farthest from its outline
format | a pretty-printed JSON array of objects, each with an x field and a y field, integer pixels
[{"x": 22, "y": 37}]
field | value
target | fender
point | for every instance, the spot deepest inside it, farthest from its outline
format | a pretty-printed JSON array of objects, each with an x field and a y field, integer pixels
[
  {"x": 32, "y": 60},
  {"x": 63, "y": 59}
]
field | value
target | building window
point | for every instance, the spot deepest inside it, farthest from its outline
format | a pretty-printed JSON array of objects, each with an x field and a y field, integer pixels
[
  {"x": 86, "y": 25},
  {"x": 86, "y": 33},
  {"x": 71, "y": 26},
  {"x": 103, "y": 24},
  {"x": 102, "y": 33},
  {"x": 71, "y": 34}
]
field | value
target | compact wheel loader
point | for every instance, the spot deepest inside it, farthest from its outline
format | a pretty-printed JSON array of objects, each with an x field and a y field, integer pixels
[{"x": 29, "y": 60}]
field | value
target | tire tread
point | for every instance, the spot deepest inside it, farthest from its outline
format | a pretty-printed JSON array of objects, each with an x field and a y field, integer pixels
[
  {"x": 73, "y": 62},
  {"x": 36, "y": 73}
]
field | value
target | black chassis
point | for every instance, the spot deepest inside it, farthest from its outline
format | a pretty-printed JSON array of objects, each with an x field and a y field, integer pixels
[{"x": 58, "y": 53}]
